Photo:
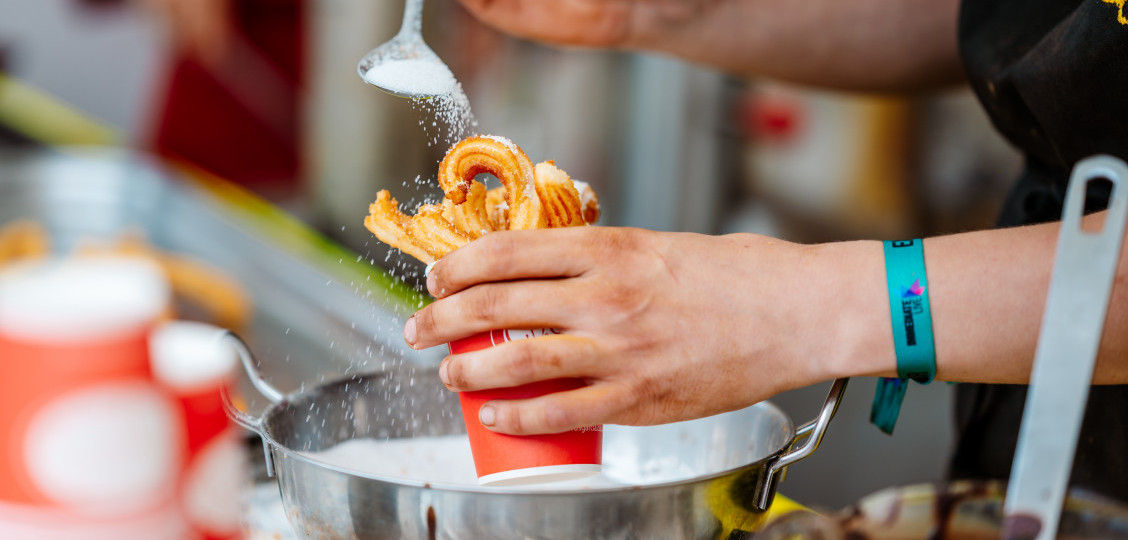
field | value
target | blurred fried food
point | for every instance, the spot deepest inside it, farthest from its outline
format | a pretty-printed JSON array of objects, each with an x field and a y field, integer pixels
[
  {"x": 23, "y": 239},
  {"x": 202, "y": 286},
  {"x": 199, "y": 285}
]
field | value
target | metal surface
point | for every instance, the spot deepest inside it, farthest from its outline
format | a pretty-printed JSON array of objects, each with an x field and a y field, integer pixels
[
  {"x": 706, "y": 478},
  {"x": 319, "y": 313},
  {"x": 1084, "y": 268},
  {"x": 407, "y": 44},
  {"x": 813, "y": 432}
]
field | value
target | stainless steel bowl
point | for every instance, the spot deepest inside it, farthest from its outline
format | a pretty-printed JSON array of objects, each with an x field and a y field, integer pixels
[{"x": 704, "y": 479}]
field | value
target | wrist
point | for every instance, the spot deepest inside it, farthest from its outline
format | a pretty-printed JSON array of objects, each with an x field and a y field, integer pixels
[{"x": 858, "y": 322}]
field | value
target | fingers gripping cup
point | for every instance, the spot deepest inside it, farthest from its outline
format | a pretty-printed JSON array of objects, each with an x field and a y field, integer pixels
[{"x": 507, "y": 460}]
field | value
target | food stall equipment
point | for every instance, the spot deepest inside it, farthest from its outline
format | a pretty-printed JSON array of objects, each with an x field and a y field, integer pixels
[
  {"x": 1084, "y": 268},
  {"x": 702, "y": 479}
]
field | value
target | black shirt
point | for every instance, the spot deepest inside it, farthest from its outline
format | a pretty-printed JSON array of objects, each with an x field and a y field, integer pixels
[{"x": 1053, "y": 76}]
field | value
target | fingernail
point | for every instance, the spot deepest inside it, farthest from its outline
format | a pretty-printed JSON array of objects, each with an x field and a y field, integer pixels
[
  {"x": 409, "y": 332},
  {"x": 443, "y": 373},
  {"x": 431, "y": 283},
  {"x": 487, "y": 415}
]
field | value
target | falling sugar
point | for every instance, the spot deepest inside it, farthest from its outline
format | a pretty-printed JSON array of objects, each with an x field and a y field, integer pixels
[{"x": 453, "y": 119}]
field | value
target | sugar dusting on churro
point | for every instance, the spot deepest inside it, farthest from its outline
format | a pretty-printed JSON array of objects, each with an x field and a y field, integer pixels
[{"x": 530, "y": 197}]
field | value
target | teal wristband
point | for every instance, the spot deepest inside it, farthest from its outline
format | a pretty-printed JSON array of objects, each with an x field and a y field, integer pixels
[{"x": 909, "y": 309}]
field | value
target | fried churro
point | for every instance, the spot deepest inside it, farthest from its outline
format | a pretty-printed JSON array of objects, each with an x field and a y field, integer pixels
[{"x": 530, "y": 197}]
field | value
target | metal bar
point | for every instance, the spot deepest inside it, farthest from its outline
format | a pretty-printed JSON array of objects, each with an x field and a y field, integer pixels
[{"x": 1084, "y": 268}]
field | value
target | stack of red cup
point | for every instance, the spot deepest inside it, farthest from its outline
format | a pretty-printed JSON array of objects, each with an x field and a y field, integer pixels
[
  {"x": 90, "y": 447},
  {"x": 193, "y": 363},
  {"x": 111, "y": 422}
]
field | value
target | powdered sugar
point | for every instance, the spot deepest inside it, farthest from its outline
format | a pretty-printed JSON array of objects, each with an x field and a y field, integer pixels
[
  {"x": 587, "y": 195},
  {"x": 445, "y": 459},
  {"x": 453, "y": 119},
  {"x": 442, "y": 460},
  {"x": 418, "y": 77},
  {"x": 505, "y": 141}
]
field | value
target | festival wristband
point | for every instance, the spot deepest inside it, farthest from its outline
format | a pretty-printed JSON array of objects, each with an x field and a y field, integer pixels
[{"x": 911, "y": 316}]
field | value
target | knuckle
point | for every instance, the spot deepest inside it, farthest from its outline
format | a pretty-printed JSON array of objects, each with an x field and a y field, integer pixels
[
  {"x": 514, "y": 421},
  {"x": 623, "y": 302},
  {"x": 425, "y": 320},
  {"x": 613, "y": 239},
  {"x": 498, "y": 250},
  {"x": 523, "y": 366},
  {"x": 619, "y": 242},
  {"x": 532, "y": 361},
  {"x": 485, "y": 304},
  {"x": 456, "y": 373},
  {"x": 621, "y": 297},
  {"x": 558, "y": 418},
  {"x": 549, "y": 360},
  {"x": 649, "y": 396}
]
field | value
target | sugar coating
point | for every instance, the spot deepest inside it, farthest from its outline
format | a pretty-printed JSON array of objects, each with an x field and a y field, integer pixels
[
  {"x": 503, "y": 140},
  {"x": 530, "y": 188},
  {"x": 587, "y": 195}
]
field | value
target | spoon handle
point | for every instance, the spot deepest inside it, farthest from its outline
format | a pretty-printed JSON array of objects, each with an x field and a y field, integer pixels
[{"x": 412, "y": 17}]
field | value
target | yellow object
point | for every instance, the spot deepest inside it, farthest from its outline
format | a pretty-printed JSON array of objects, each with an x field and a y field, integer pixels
[
  {"x": 782, "y": 506},
  {"x": 731, "y": 500},
  {"x": 1120, "y": 13},
  {"x": 47, "y": 120}
]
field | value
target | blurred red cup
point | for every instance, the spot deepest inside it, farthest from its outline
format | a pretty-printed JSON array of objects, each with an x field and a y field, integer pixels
[
  {"x": 509, "y": 460},
  {"x": 193, "y": 362},
  {"x": 89, "y": 446}
]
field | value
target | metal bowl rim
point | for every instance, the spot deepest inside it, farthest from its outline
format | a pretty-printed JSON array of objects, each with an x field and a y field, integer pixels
[{"x": 465, "y": 488}]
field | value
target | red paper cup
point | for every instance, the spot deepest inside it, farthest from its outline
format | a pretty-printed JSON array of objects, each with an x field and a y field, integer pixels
[
  {"x": 194, "y": 364},
  {"x": 88, "y": 444},
  {"x": 509, "y": 460}
]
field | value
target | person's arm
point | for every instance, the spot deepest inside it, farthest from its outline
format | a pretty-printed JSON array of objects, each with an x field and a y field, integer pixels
[
  {"x": 672, "y": 326},
  {"x": 988, "y": 291},
  {"x": 867, "y": 45},
  {"x": 202, "y": 28}
]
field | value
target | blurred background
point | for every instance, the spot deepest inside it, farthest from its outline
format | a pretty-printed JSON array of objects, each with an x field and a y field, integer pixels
[{"x": 264, "y": 94}]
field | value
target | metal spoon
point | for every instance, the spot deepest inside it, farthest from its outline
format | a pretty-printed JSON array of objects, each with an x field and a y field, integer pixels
[{"x": 405, "y": 66}]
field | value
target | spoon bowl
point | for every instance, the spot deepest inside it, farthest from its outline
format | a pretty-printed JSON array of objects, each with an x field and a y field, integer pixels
[{"x": 405, "y": 66}]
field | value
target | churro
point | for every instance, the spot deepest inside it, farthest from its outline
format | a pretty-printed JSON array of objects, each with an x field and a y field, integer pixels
[
  {"x": 558, "y": 196},
  {"x": 195, "y": 282},
  {"x": 500, "y": 157},
  {"x": 530, "y": 197}
]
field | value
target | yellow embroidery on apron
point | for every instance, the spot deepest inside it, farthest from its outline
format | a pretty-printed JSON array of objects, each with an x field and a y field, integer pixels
[{"x": 1120, "y": 13}]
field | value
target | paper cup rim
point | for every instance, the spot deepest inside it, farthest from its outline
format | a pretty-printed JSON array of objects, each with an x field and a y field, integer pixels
[{"x": 537, "y": 475}]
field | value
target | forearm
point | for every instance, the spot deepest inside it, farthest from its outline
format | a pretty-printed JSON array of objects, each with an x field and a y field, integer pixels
[
  {"x": 987, "y": 290},
  {"x": 867, "y": 45}
]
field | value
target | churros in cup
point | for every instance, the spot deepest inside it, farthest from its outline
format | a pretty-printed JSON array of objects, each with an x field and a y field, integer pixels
[{"x": 530, "y": 197}]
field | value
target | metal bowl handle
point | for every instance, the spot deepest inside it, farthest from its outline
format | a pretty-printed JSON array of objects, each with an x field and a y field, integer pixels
[
  {"x": 813, "y": 431},
  {"x": 250, "y": 365},
  {"x": 236, "y": 415},
  {"x": 250, "y": 423}
]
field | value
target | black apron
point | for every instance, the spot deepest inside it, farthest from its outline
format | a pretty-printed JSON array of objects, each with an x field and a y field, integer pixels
[{"x": 1053, "y": 76}]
